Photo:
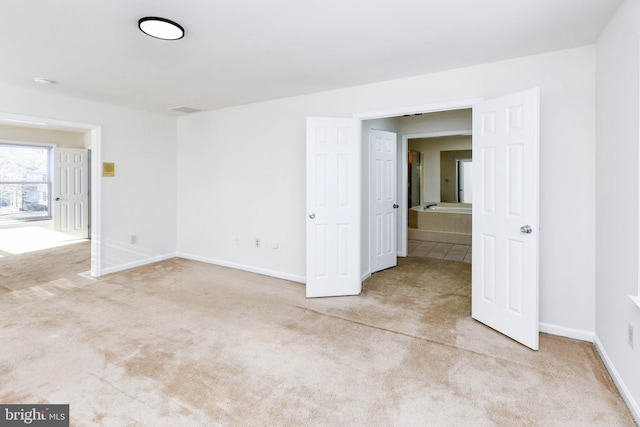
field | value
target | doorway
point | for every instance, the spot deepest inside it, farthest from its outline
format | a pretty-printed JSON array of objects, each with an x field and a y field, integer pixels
[
  {"x": 439, "y": 225},
  {"x": 432, "y": 132},
  {"x": 90, "y": 135},
  {"x": 505, "y": 274}
]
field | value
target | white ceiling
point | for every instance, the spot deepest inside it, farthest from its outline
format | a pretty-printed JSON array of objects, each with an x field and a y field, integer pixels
[{"x": 243, "y": 51}]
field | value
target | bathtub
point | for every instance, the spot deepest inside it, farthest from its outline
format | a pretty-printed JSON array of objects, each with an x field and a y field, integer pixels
[
  {"x": 441, "y": 222},
  {"x": 464, "y": 208}
]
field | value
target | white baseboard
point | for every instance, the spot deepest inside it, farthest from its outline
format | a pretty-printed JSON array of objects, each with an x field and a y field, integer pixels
[
  {"x": 263, "y": 271},
  {"x": 139, "y": 263},
  {"x": 633, "y": 406},
  {"x": 562, "y": 331}
]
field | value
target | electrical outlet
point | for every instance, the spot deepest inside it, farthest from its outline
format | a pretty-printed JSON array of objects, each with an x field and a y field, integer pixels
[
  {"x": 630, "y": 335},
  {"x": 257, "y": 243},
  {"x": 134, "y": 239}
]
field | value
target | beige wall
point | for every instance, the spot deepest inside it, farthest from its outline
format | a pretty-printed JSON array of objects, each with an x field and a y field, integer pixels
[
  {"x": 448, "y": 173},
  {"x": 46, "y": 136},
  {"x": 441, "y": 121},
  {"x": 431, "y": 149}
]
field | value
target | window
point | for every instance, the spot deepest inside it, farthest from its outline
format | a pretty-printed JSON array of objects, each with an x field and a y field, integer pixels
[{"x": 25, "y": 182}]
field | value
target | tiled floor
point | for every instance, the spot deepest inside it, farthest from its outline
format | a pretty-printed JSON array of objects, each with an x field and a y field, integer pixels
[{"x": 449, "y": 251}]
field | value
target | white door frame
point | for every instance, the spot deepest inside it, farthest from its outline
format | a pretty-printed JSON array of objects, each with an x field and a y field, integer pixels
[
  {"x": 96, "y": 160},
  {"x": 403, "y": 166},
  {"x": 404, "y": 191}
]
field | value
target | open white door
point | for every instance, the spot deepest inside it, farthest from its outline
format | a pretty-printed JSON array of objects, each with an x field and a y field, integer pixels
[
  {"x": 505, "y": 215},
  {"x": 384, "y": 202},
  {"x": 71, "y": 191},
  {"x": 333, "y": 207}
]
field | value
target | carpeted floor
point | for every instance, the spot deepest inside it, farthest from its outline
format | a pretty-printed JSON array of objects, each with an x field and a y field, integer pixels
[{"x": 182, "y": 343}]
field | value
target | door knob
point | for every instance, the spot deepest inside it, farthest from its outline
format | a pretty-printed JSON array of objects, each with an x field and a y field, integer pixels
[
  {"x": 395, "y": 206},
  {"x": 57, "y": 199},
  {"x": 526, "y": 229},
  {"x": 312, "y": 216}
]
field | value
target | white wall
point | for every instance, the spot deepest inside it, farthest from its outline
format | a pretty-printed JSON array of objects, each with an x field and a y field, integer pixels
[
  {"x": 241, "y": 172},
  {"x": 141, "y": 198},
  {"x": 617, "y": 196}
]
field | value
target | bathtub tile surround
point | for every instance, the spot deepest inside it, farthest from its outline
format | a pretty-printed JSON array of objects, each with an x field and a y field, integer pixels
[
  {"x": 439, "y": 250},
  {"x": 441, "y": 222}
]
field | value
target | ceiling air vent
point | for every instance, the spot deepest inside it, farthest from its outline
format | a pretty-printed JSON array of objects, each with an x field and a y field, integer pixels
[{"x": 185, "y": 109}]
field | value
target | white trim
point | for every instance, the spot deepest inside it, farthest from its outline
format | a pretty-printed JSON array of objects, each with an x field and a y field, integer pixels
[
  {"x": 263, "y": 271},
  {"x": 461, "y": 132},
  {"x": 96, "y": 158},
  {"x": 402, "y": 172},
  {"x": 27, "y": 143},
  {"x": 365, "y": 276},
  {"x": 96, "y": 201},
  {"x": 23, "y": 120},
  {"x": 140, "y": 263},
  {"x": 634, "y": 407},
  {"x": 417, "y": 109},
  {"x": 636, "y": 299},
  {"x": 563, "y": 331}
]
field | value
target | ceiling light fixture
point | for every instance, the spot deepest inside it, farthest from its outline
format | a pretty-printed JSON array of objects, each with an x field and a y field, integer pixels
[{"x": 161, "y": 28}]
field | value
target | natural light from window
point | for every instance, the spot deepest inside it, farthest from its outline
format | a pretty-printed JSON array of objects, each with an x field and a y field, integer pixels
[
  {"x": 20, "y": 240},
  {"x": 25, "y": 182}
]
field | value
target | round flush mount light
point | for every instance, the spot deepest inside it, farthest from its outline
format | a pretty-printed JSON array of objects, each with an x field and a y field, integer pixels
[{"x": 161, "y": 28}]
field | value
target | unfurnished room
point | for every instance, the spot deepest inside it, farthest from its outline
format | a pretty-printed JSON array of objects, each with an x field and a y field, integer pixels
[{"x": 345, "y": 213}]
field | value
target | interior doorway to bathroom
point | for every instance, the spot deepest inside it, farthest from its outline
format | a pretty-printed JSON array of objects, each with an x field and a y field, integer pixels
[
  {"x": 439, "y": 214},
  {"x": 506, "y": 133},
  {"x": 426, "y": 171}
]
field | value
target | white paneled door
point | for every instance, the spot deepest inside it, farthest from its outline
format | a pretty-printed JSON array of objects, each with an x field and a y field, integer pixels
[
  {"x": 333, "y": 207},
  {"x": 384, "y": 203},
  {"x": 71, "y": 191},
  {"x": 505, "y": 215}
]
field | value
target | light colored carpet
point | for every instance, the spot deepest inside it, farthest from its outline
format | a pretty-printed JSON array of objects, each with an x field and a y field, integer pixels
[
  {"x": 25, "y": 239},
  {"x": 44, "y": 267},
  {"x": 182, "y": 343}
]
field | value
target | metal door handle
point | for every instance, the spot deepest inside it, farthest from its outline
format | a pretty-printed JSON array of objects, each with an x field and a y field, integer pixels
[
  {"x": 526, "y": 229},
  {"x": 57, "y": 199},
  {"x": 395, "y": 206},
  {"x": 312, "y": 216}
]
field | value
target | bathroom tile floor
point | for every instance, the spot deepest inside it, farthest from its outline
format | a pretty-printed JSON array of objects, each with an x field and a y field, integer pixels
[{"x": 448, "y": 251}]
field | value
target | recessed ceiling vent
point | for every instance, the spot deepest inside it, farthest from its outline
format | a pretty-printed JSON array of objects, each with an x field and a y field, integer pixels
[{"x": 185, "y": 109}]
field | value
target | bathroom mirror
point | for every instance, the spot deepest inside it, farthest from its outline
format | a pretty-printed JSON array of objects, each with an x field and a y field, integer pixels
[
  {"x": 440, "y": 170},
  {"x": 455, "y": 176}
]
